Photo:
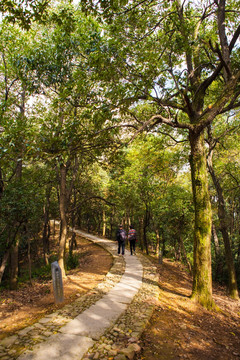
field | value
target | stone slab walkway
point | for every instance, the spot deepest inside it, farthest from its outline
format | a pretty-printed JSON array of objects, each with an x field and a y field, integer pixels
[
  {"x": 105, "y": 323},
  {"x": 79, "y": 334}
]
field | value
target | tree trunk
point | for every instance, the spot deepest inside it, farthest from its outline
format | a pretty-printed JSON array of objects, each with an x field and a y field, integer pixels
[
  {"x": 14, "y": 264},
  {"x": 217, "y": 250},
  {"x": 45, "y": 236},
  {"x": 29, "y": 261},
  {"x": 146, "y": 223},
  {"x": 73, "y": 242},
  {"x": 1, "y": 183},
  {"x": 184, "y": 254},
  {"x": 63, "y": 216},
  {"x": 222, "y": 215},
  {"x": 104, "y": 224},
  {"x": 4, "y": 263},
  {"x": 202, "y": 274},
  {"x": 141, "y": 225},
  {"x": 158, "y": 249}
]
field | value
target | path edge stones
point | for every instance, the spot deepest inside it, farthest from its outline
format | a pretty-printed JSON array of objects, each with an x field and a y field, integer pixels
[
  {"x": 11, "y": 347},
  {"x": 121, "y": 341}
]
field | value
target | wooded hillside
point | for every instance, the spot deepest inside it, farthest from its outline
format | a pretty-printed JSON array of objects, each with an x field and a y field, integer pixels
[{"x": 121, "y": 112}]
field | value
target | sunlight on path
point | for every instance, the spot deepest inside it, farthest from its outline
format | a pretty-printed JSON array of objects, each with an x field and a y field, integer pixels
[{"x": 80, "y": 333}]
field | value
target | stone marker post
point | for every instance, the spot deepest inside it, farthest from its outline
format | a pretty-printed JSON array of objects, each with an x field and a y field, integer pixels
[{"x": 57, "y": 282}]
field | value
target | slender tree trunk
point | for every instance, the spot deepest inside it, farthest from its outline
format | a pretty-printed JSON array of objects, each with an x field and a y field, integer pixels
[
  {"x": 184, "y": 254},
  {"x": 104, "y": 224},
  {"x": 216, "y": 241},
  {"x": 158, "y": 249},
  {"x": 29, "y": 261},
  {"x": 177, "y": 250},
  {"x": 73, "y": 242},
  {"x": 217, "y": 250},
  {"x": 141, "y": 232},
  {"x": 14, "y": 250},
  {"x": 45, "y": 236},
  {"x": 14, "y": 264},
  {"x": 1, "y": 183},
  {"x": 63, "y": 216},
  {"x": 146, "y": 223},
  {"x": 4, "y": 263},
  {"x": 222, "y": 215},
  {"x": 202, "y": 274}
]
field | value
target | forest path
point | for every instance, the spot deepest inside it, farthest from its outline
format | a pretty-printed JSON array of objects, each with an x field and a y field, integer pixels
[{"x": 81, "y": 333}]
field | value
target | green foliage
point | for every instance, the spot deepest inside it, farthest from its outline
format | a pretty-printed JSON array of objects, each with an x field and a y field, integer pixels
[
  {"x": 72, "y": 261},
  {"x": 75, "y": 90}
]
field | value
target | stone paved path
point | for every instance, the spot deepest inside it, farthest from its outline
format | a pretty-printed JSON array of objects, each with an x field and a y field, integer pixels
[{"x": 105, "y": 323}]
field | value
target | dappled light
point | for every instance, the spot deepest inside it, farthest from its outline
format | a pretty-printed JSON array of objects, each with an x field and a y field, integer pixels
[
  {"x": 21, "y": 308},
  {"x": 181, "y": 329}
]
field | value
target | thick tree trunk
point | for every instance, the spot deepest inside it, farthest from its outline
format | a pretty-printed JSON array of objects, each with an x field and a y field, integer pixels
[
  {"x": 222, "y": 215},
  {"x": 202, "y": 274},
  {"x": 63, "y": 216}
]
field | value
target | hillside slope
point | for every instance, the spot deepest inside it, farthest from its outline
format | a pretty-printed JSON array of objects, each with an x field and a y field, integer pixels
[{"x": 180, "y": 329}]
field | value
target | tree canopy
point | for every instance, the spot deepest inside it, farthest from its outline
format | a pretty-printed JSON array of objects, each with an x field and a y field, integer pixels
[{"x": 123, "y": 112}]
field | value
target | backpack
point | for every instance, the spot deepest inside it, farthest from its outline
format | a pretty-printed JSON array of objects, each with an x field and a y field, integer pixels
[
  {"x": 132, "y": 234},
  {"x": 122, "y": 235}
]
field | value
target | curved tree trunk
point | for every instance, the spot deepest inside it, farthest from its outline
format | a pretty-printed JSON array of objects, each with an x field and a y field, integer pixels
[{"x": 202, "y": 274}]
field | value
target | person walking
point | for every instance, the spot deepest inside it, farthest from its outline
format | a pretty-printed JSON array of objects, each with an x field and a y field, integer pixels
[
  {"x": 132, "y": 237},
  {"x": 121, "y": 238}
]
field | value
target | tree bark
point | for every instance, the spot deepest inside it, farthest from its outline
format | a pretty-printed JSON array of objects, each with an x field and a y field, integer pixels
[
  {"x": 217, "y": 250},
  {"x": 158, "y": 248},
  {"x": 202, "y": 274},
  {"x": 63, "y": 216},
  {"x": 45, "y": 236},
  {"x": 14, "y": 265},
  {"x": 184, "y": 254},
  {"x": 104, "y": 224},
  {"x": 29, "y": 261},
  {"x": 146, "y": 223},
  {"x": 4, "y": 263}
]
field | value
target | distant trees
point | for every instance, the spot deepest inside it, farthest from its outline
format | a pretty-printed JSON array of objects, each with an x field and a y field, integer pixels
[
  {"x": 77, "y": 93},
  {"x": 182, "y": 58}
]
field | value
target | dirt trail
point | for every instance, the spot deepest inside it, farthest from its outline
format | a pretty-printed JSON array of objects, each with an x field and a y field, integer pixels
[
  {"x": 179, "y": 329},
  {"x": 23, "y": 307}
]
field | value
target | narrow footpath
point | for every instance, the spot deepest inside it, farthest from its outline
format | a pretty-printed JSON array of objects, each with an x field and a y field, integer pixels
[{"x": 106, "y": 323}]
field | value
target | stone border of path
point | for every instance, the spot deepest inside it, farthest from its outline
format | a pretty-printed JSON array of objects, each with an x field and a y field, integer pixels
[
  {"x": 120, "y": 340},
  {"x": 11, "y": 347}
]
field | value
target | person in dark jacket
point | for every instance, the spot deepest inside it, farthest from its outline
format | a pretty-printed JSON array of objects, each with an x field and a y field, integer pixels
[
  {"x": 121, "y": 238},
  {"x": 132, "y": 237}
]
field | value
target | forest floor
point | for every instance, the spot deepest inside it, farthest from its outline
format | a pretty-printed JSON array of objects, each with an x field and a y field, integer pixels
[
  {"x": 179, "y": 329},
  {"x": 22, "y": 307}
]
